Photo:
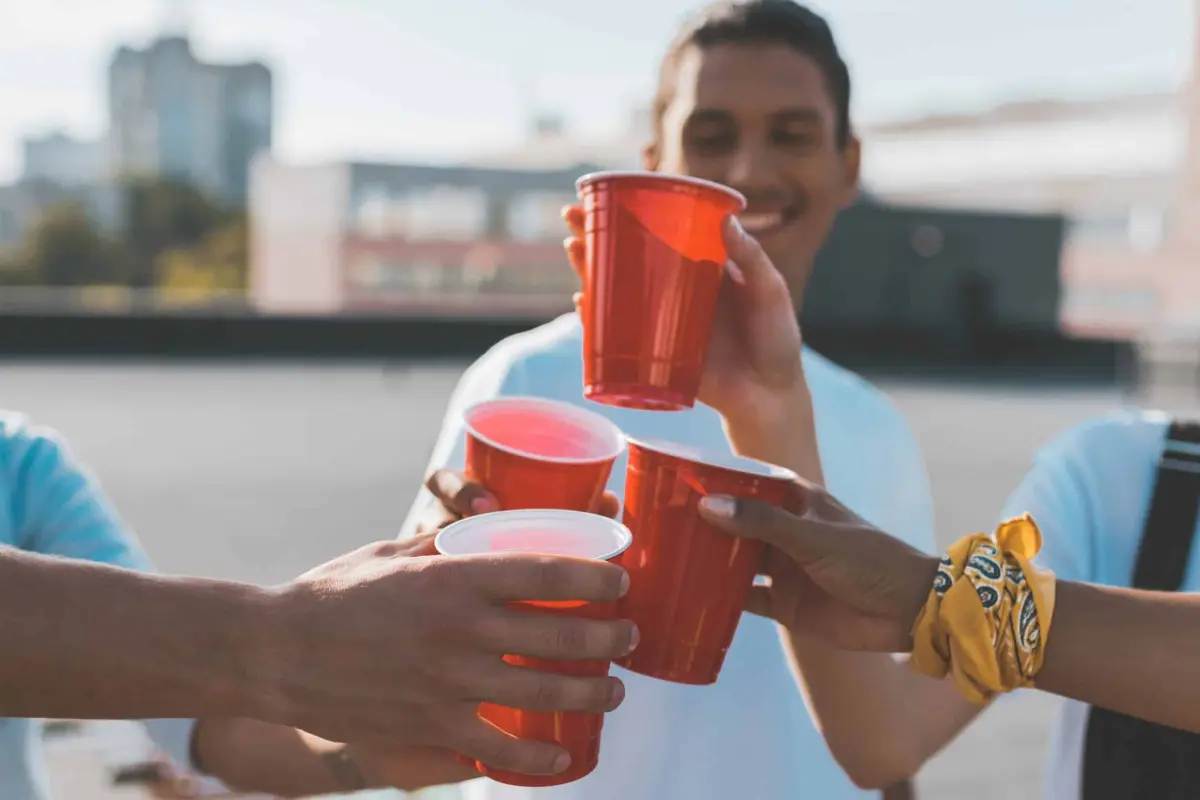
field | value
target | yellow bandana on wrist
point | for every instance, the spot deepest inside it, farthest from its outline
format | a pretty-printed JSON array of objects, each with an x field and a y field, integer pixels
[{"x": 987, "y": 619}]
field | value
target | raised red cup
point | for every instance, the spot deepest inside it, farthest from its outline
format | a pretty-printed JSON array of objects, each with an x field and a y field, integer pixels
[
  {"x": 654, "y": 265},
  {"x": 688, "y": 579},
  {"x": 535, "y": 453},
  {"x": 553, "y": 532}
]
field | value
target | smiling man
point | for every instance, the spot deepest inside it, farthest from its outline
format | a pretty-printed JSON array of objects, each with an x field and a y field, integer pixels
[{"x": 753, "y": 95}]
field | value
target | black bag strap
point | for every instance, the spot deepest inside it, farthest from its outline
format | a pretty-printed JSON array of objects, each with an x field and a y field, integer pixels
[
  {"x": 1126, "y": 758},
  {"x": 1175, "y": 505}
]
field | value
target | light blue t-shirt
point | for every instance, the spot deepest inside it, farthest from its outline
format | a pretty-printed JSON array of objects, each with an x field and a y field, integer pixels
[
  {"x": 750, "y": 735},
  {"x": 1089, "y": 492},
  {"x": 50, "y": 505}
]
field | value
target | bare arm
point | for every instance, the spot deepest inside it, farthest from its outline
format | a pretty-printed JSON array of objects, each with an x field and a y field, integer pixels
[
  {"x": 881, "y": 720},
  {"x": 85, "y": 640},
  {"x": 1131, "y": 651},
  {"x": 90, "y": 641},
  {"x": 253, "y": 756}
]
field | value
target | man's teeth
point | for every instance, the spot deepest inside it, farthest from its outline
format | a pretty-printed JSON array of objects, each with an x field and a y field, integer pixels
[{"x": 761, "y": 222}]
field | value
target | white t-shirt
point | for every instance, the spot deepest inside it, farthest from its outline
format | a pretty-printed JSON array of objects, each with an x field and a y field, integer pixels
[
  {"x": 749, "y": 735},
  {"x": 1089, "y": 492}
]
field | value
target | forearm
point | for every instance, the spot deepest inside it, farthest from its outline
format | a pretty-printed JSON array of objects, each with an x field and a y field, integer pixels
[
  {"x": 252, "y": 756},
  {"x": 881, "y": 720},
  {"x": 1130, "y": 651},
  {"x": 782, "y": 433},
  {"x": 81, "y": 640}
]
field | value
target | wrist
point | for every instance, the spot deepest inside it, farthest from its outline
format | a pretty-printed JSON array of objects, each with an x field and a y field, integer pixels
[
  {"x": 259, "y": 652},
  {"x": 915, "y": 585},
  {"x": 778, "y": 427},
  {"x": 768, "y": 408},
  {"x": 205, "y": 647}
]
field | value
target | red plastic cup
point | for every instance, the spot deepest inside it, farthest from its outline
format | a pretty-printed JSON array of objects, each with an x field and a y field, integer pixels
[
  {"x": 553, "y": 532},
  {"x": 655, "y": 260},
  {"x": 535, "y": 453},
  {"x": 688, "y": 579}
]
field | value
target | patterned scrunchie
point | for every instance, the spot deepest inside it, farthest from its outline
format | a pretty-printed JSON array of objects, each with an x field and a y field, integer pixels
[{"x": 988, "y": 616}]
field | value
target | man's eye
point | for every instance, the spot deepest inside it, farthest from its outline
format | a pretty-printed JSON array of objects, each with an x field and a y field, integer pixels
[
  {"x": 711, "y": 142},
  {"x": 797, "y": 140}
]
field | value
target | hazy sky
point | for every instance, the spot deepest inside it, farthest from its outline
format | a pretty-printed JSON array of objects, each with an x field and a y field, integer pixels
[{"x": 440, "y": 78}]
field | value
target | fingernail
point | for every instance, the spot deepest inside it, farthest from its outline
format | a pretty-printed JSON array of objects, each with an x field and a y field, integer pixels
[
  {"x": 624, "y": 584},
  {"x": 720, "y": 506},
  {"x": 618, "y": 695},
  {"x": 735, "y": 226},
  {"x": 562, "y": 762},
  {"x": 483, "y": 505},
  {"x": 567, "y": 242},
  {"x": 635, "y": 636}
]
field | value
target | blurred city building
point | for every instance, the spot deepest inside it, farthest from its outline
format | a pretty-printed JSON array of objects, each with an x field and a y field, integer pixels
[
  {"x": 349, "y": 237},
  {"x": 60, "y": 158},
  {"x": 551, "y": 144},
  {"x": 1116, "y": 168},
  {"x": 176, "y": 116},
  {"x": 483, "y": 238},
  {"x": 58, "y": 168},
  {"x": 170, "y": 115}
]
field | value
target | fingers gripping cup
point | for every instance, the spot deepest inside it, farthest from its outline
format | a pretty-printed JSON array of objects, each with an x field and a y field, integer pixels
[
  {"x": 655, "y": 258},
  {"x": 688, "y": 579},
  {"x": 534, "y": 453},
  {"x": 550, "y": 532}
]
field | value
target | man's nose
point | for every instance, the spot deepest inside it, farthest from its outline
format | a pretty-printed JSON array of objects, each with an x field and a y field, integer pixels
[{"x": 753, "y": 168}]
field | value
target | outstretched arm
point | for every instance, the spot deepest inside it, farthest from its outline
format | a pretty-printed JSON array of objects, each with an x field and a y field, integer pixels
[
  {"x": 881, "y": 720},
  {"x": 1132, "y": 651},
  {"x": 89, "y": 641}
]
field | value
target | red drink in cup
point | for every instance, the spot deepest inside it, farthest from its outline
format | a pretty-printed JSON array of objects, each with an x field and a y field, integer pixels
[
  {"x": 553, "y": 532},
  {"x": 688, "y": 579},
  {"x": 534, "y": 453},
  {"x": 655, "y": 261}
]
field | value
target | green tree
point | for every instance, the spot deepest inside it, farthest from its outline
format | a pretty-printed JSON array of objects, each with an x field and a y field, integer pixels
[
  {"x": 217, "y": 264},
  {"x": 164, "y": 215},
  {"x": 15, "y": 271},
  {"x": 64, "y": 248}
]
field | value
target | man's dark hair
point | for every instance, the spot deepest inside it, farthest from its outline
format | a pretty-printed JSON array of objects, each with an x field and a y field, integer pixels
[{"x": 782, "y": 22}]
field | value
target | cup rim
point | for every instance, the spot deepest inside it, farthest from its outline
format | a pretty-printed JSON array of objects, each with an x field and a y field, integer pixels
[
  {"x": 622, "y": 536},
  {"x": 709, "y": 458},
  {"x": 592, "y": 177},
  {"x": 605, "y": 428}
]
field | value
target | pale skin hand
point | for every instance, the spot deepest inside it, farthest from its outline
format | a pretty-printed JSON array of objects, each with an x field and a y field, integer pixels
[
  {"x": 753, "y": 353},
  {"x": 882, "y": 721},
  {"x": 254, "y": 756},
  {"x": 261, "y": 757},
  {"x": 133, "y": 646},
  {"x": 447, "y": 653}
]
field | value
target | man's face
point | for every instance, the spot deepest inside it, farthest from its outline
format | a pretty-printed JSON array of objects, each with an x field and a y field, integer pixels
[{"x": 761, "y": 119}]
